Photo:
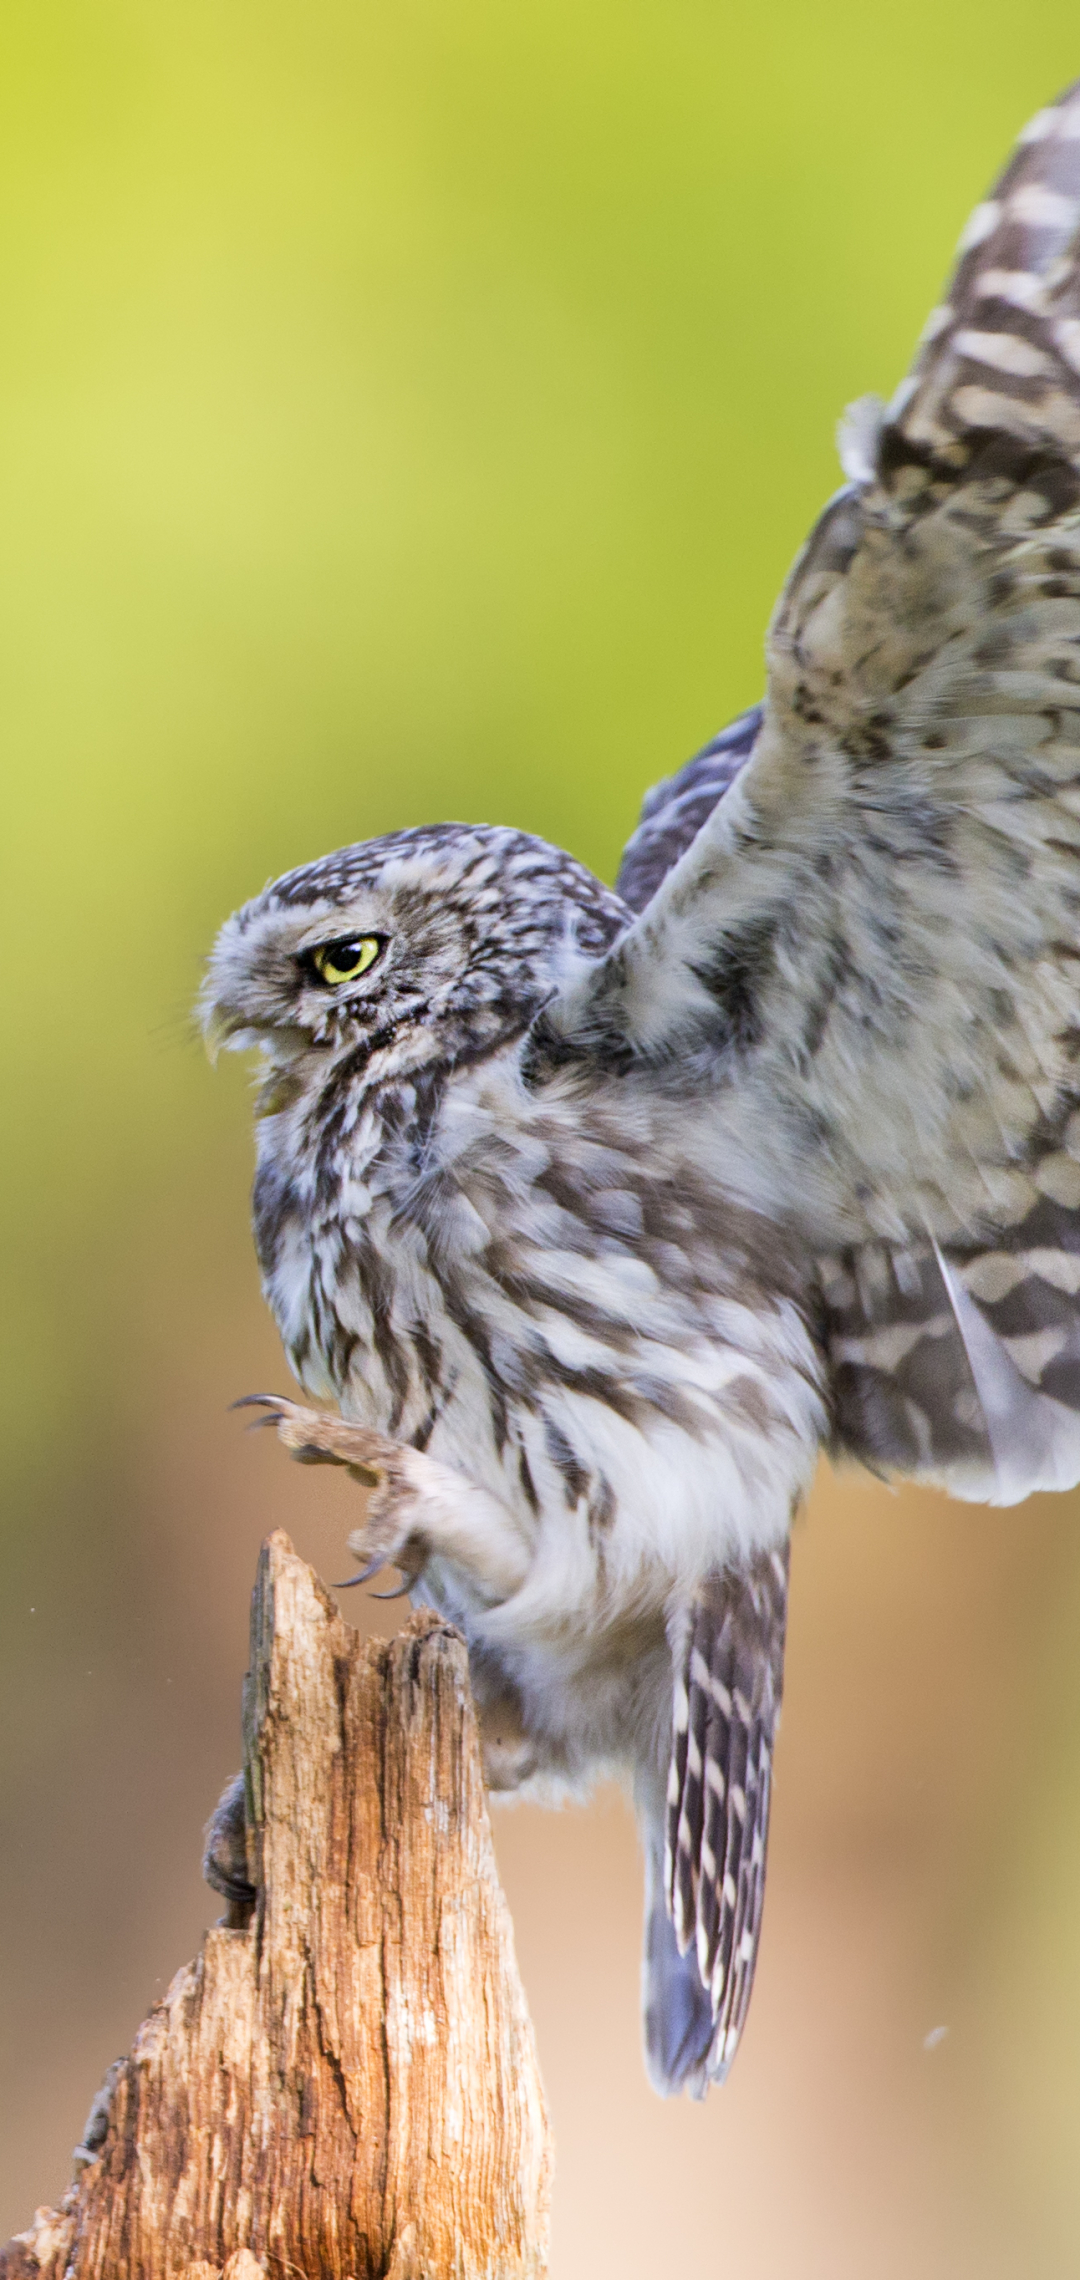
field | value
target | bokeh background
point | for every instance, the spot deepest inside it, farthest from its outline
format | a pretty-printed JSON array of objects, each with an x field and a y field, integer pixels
[{"x": 410, "y": 410}]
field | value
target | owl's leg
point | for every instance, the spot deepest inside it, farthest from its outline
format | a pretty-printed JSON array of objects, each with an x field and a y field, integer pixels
[{"x": 418, "y": 1509}]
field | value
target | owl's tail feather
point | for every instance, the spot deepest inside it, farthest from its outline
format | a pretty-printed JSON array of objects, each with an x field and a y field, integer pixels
[
  {"x": 706, "y": 1837},
  {"x": 678, "y": 2017}
]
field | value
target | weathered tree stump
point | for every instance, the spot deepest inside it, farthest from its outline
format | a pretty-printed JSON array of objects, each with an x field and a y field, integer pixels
[{"x": 348, "y": 2087}]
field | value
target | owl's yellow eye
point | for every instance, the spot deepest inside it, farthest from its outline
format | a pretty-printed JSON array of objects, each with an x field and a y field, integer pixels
[{"x": 346, "y": 960}]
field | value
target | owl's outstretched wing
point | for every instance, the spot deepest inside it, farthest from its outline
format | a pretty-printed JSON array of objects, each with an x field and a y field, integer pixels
[{"x": 868, "y": 959}]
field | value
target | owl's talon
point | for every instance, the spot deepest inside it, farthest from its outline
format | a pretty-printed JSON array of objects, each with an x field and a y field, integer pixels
[
  {"x": 316, "y": 1437},
  {"x": 400, "y": 1590},
  {"x": 401, "y": 1548},
  {"x": 225, "y": 1861},
  {"x": 365, "y": 1574},
  {"x": 311, "y": 1436}
]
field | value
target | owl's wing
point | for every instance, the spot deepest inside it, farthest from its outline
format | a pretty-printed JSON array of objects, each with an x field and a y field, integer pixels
[
  {"x": 729, "y": 1677},
  {"x": 867, "y": 962},
  {"x": 673, "y": 812}
]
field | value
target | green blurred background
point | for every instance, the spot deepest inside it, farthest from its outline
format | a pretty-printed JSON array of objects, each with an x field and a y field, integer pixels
[{"x": 411, "y": 411}]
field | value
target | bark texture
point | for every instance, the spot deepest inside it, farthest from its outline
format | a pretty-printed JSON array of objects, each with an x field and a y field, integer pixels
[{"x": 348, "y": 2087}]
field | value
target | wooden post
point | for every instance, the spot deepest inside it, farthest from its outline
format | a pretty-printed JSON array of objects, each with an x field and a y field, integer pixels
[{"x": 347, "y": 2089}]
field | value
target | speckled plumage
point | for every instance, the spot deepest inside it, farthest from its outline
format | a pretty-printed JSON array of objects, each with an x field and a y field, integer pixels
[{"x": 597, "y": 1214}]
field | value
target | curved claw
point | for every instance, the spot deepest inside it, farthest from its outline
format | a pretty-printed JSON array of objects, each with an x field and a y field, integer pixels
[
  {"x": 261, "y": 1401},
  {"x": 365, "y": 1575},
  {"x": 399, "y": 1590}
]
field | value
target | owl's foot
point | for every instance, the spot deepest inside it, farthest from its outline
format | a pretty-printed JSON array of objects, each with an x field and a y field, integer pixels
[
  {"x": 225, "y": 1859},
  {"x": 314, "y": 1437},
  {"x": 418, "y": 1509}
]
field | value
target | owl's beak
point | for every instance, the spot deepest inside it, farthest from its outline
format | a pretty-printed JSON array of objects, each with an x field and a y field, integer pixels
[
  {"x": 230, "y": 1028},
  {"x": 214, "y": 1032},
  {"x": 225, "y": 1028},
  {"x": 249, "y": 993}
]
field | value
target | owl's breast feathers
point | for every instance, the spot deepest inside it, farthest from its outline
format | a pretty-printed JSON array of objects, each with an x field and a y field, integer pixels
[{"x": 540, "y": 1286}]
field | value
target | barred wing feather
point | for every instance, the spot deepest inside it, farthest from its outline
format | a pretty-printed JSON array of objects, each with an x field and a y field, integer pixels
[
  {"x": 866, "y": 960},
  {"x": 674, "y": 811}
]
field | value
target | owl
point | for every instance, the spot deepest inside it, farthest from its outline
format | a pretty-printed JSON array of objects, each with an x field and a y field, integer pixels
[{"x": 590, "y": 1217}]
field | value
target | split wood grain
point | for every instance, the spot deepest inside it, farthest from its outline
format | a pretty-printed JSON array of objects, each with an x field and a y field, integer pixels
[{"x": 348, "y": 2089}]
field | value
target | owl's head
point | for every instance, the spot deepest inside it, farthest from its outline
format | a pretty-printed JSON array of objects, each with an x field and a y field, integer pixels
[{"x": 427, "y": 947}]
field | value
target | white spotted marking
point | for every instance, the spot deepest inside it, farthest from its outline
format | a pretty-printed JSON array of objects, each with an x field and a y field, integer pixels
[
  {"x": 738, "y": 1803},
  {"x": 1003, "y": 352},
  {"x": 1066, "y": 336},
  {"x": 938, "y": 321},
  {"x": 1039, "y": 127},
  {"x": 1058, "y": 1176},
  {"x": 993, "y": 1274},
  {"x": 714, "y": 1779},
  {"x": 858, "y": 438},
  {"x": 729, "y": 1890},
  {"x": 1019, "y": 287},
  {"x": 1033, "y": 1353},
  {"x": 979, "y": 225},
  {"x": 1061, "y": 1269},
  {"x": 902, "y": 395},
  {"x": 1042, "y": 209},
  {"x": 985, "y": 408}
]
